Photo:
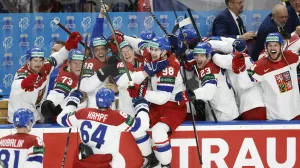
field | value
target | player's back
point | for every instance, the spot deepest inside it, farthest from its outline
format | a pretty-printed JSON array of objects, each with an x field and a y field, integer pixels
[
  {"x": 21, "y": 151},
  {"x": 101, "y": 130}
]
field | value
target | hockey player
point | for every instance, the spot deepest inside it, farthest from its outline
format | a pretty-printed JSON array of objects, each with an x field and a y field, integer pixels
[
  {"x": 100, "y": 128},
  {"x": 250, "y": 101},
  {"x": 22, "y": 150},
  {"x": 165, "y": 114},
  {"x": 278, "y": 78},
  {"x": 66, "y": 81},
  {"x": 213, "y": 86},
  {"x": 30, "y": 83}
]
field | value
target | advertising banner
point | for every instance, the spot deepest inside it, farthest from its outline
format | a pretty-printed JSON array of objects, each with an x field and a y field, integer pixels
[
  {"x": 22, "y": 31},
  {"x": 225, "y": 145}
]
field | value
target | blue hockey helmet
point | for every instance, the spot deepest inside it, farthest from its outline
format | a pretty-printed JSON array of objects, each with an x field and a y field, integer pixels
[
  {"x": 105, "y": 97},
  {"x": 34, "y": 53},
  {"x": 99, "y": 41},
  {"x": 203, "y": 48},
  {"x": 147, "y": 35},
  {"x": 22, "y": 117},
  {"x": 189, "y": 35},
  {"x": 75, "y": 54},
  {"x": 274, "y": 37},
  {"x": 162, "y": 43}
]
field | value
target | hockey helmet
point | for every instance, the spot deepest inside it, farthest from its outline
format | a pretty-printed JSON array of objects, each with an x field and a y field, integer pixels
[
  {"x": 124, "y": 44},
  {"x": 34, "y": 53},
  {"x": 274, "y": 37},
  {"x": 147, "y": 35},
  {"x": 202, "y": 48},
  {"x": 189, "y": 35},
  {"x": 105, "y": 97},
  {"x": 75, "y": 54},
  {"x": 162, "y": 43},
  {"x": 22, "y": 117},
  {"x": 99, "y": 41}
]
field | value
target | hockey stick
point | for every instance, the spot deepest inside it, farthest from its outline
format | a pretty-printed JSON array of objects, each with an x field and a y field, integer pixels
[
  {"x": 116, "y": 42},
  {"x": 200, "y": 39},
  {"x": 78, "y": 87},
  {"x": 66, "y": 30},
  {"x": 154, "y": 18},
  {"x": 190, "y": 106}
]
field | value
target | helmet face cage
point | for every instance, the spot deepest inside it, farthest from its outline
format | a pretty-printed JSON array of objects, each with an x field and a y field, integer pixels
[
  {"x": 22, "y": 118},
  {"x": 105, "y": 97}
]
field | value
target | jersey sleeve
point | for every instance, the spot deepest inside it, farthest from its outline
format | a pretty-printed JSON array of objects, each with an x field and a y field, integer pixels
[
  {"x": 223, "y": 61},
  {"x": 134, "y": 43},
  {"x": 90, "y": 81},
  {"x": 36, "y": 154},
  {"x": 131, "y": 124},
  {"x": 223, "y": 44},
  {"x": 67, "y": 117},
  {"x": 57, "y": 58},
  {"x": 247, "y": 78},
  {"x": 98, "y": 28}
]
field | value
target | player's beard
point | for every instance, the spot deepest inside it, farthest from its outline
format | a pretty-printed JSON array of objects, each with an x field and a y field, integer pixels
[{"x": 271, "y": 55}]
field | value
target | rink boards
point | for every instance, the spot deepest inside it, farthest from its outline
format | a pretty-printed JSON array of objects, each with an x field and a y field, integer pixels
[{"x": 225, "y": 145}]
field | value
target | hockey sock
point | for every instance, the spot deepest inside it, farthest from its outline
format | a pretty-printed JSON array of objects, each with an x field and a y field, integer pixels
[{"x": 144, "y": 142}]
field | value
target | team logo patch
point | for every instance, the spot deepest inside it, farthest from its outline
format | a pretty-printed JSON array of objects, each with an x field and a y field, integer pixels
[{"x": 284, "y": 81}]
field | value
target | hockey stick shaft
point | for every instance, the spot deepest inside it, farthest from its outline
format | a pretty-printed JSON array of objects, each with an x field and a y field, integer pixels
[
  {"x": 78, "y": 87},
  {"x": 65, "y": 29},
  {"x": 154, "y": 18},
  {"x": 116, "y": 42},
  {"x": 190, "y": 104},
  {"x": 194, "y": 24}
]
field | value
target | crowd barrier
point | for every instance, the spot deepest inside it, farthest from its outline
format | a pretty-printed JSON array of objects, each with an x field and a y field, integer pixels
[{"x": 237, "y": 144}]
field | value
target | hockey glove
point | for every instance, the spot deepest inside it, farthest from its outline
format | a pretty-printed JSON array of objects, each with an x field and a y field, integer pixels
[
  {"x": 84, "y": 151},
  {"x": 239, "y": 45},
  {"x": 238, "y": 63},
  {"x": 112, "y": 43},
  {"x": 154, "y": 67},
  {"x": 28, "y": 83},
  {"x": 75, "y": 98},
  {"x": 47, "y": 108},
  {"x": 140, "y": 104},
  {"x": 73, "y": 40},
  {"x": 134, "y": 91},
  {"x": 185, "y": 96},
  {"x": 190, "y": 62}
]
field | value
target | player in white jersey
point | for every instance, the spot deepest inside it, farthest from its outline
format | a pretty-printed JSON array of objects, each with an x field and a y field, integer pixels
[
  {"x": 278, "y": 78},
  {"x": 100, "y": 128},
  {"x": 29, "y": 88},
  {"x": 250, "y": 101},
  {"x": 22, "y": 150},
  {"x": 213, "y": 86}
]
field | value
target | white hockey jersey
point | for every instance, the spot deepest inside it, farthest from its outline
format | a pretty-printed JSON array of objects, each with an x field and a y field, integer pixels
[
  {"x": 22, "y": 151},
  {"x": 214, "y": 87},
  {"x": 279, "y": 84},
  {"x": 101, "y": 130},
  {"x": 32, "y": 100}
]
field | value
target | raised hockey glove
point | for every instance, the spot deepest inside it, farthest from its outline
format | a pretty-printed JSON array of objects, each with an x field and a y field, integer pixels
[
  {"x": 112, "y": 42},
  {"x": 185, "y": 96},
  {"x": 75, "y": 98},
  {"x": 73, "y": 40},
  {"x": 239, "y": 45},
  {"x": 154, "y": 67},
  {"x": 140, "y": 104},
  {"x": 238, "y": 63},
  {"x": 190, "y": 61},
  {"x": 28, "y": 83},
  {"x": 134, "y": 91},
  {"x": 109, "y": 69}
]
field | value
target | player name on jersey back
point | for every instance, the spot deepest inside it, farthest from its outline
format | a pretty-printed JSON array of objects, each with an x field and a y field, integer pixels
[
  {"x": 97, "y": 116},
  {"x": 11, "y": 143}
]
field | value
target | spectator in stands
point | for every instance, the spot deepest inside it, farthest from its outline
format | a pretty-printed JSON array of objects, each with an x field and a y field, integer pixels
[
  {"x": 274, "y": 22},
  {"x": 228, "y": 23},
  {"x": 294, "y": 14}
]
